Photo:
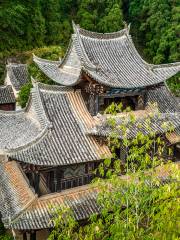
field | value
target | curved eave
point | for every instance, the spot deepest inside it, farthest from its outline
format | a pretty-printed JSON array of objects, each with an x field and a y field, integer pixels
[
  {"x": 19, "y": 129},
  {"x": 61, "y": 74},
  {"x": 166, "y": 71},
  {"x": 132, "y": 71}
]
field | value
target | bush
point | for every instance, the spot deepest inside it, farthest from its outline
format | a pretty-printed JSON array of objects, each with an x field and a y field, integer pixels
[{"x": 24, "y": 94}]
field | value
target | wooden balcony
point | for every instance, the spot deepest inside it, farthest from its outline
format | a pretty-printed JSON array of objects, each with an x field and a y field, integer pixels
[{"x": 74, "y": 182}]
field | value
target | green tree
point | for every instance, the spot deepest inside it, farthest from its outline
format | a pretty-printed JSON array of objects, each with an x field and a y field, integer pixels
[
  {"x": 112, "y": 22},
  {"x": 24, "y": 93},
  {"x": 13, "y": 23},
  {"x": 139, "y": 204},
  {"x": 155, "y": 28},
  {"x": 100, "y": 16},
  {"x": 35, "y": 30}
]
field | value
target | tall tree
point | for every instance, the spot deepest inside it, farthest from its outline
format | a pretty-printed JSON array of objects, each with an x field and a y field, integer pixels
[
  {"x": 52, "y": 15},
  {"x": 158, "y": 22},
  {"x": 13, "y": 24},
  {"x": 101, "y": 16},
  {"x": 35, "y": 24}
]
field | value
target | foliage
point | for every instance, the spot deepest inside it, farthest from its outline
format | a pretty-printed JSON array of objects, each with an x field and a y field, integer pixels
[
  {"x": 52, "y": 53},
  {"x": 143, "y": 203},
  {"x": 156, "y": 25},
  {"x": 3, "y": 234},
  {"x": 30, "y": 24},
  {"x": 23, "y": 95},
  {"x": 100, "y": 16}
]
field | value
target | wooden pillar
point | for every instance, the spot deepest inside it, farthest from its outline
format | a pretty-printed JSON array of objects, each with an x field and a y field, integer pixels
[
  {"x": 33, "y": 235},
  {"x": 140, "y": 103},
  {"x": 36, "y": 182},
  {"x": 96, "y": 105},
  {"x": 91, "y": 104},
  {"x": 24, "y": 236},
  {"x": 55, "y": 180}
]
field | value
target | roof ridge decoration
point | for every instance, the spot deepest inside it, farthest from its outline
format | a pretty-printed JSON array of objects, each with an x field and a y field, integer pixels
[
  {"x": 85, "y": 61},
  {"x": 36, "y": 58}
]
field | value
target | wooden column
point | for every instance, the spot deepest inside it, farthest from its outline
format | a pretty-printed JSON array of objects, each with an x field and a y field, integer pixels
[
  {"x": 36, "y": 182},
  {"x": 140, "y": 103},
  {"x": 33, "y": 235},
  {"x": 55, "y": 180},
  {"x": 24, "y": 236},
  {"x": 96, "y": 110},
  {"x": 91, "y": 104}
]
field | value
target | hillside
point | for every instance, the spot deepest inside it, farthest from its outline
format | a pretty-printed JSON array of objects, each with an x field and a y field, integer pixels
[{"x": 26, "y": 25}]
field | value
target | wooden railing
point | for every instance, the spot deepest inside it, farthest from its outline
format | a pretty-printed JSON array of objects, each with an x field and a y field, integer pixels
[{"x": 75, "y": 181}]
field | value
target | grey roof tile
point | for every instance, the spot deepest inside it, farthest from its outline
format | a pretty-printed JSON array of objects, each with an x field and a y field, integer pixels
[
  {"x": 110, "y": 59},
  {"x": 20, "y": 128},
  {"x": 6, "y": 95},
  {"x": 50, "y": 131},
  {"x": 168, "y": 111},
  {"x": 18, "y": 75}
]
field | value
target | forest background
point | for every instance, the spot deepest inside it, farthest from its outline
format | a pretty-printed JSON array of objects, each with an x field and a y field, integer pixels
[{"x": 28, "y": 26}]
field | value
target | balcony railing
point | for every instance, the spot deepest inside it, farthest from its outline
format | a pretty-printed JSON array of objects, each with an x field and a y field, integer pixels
[{"x": 75, "y": 181}]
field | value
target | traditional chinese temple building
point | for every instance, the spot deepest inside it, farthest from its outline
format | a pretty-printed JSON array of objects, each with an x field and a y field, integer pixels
[{"x": 48, "y": 150}]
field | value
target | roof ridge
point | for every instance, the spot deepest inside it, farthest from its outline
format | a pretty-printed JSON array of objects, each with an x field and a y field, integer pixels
[
  {"x": 86, "y": 62},
  {"x": 150, "y": 65},
  {"x": 36, "y": 58},
  {"x": 35, "y": 91},
  {"x": 15, "y": 64},
  {"x": 92, "y": 34},
  {"x": 58, "y": 88},
  {"x": 69, "y": 48},
  {"x": 154, "y": 66}
]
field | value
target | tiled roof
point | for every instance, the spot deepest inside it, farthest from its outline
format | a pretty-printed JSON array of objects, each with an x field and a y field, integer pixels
[
  {"x": 82, "y": 201},
  {"x": 6, "y": 95},
  {"x": 168, "y": 112},
  {"x": 164, "y": 98},
  {"x": 166, "y": 102},
  {"x": 20, "y": 128},
  {"x": 18, "y": 75},
  {"x": 140, "y": 125},
  {"x": 64, "y": 143},
  {"x": 15, "y": 194},
  {"x": 110, "y": 59},
  {"x": 22, "y": 210}
]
